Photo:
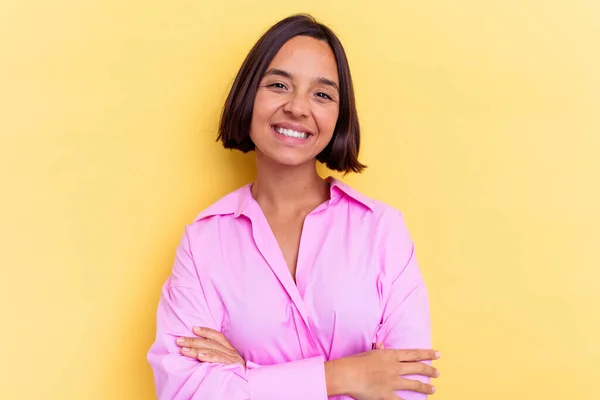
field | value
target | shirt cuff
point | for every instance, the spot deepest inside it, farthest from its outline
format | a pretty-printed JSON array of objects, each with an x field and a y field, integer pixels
[{"x": 295, "y": 380}]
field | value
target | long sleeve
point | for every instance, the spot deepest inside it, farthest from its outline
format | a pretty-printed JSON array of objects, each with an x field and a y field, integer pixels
[
  {"x": 183, "y": 305},
  {"x": 406, "y": 321}
]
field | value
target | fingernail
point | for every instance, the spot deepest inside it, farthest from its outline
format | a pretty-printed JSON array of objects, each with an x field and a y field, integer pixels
[
  {"x": 437, "y": 354},
  {"x": 201, "y": 355},
  {"x": 197, "y": 329},
  {"x": 433, "y": 389},
  {"x": 180, "y": 340},
  {"x": 186, "y": 349},
  {"x": 437, "y": 373}
]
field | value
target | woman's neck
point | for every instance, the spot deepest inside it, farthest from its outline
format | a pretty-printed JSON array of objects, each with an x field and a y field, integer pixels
[{"x": 282, "y": 189}]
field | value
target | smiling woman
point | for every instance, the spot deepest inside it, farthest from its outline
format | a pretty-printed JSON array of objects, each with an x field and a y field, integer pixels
[
  {"x": 298, "y": 63},
  {"x": 294, "y": 286},
  {"x": 292, "y": 87}
]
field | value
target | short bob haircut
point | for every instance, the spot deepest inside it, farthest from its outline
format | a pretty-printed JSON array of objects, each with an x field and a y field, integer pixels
[{"x": 341, "y": 154}]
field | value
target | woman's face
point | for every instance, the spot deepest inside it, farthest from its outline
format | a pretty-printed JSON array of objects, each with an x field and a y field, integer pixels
[{"x": 297, "y": 103}]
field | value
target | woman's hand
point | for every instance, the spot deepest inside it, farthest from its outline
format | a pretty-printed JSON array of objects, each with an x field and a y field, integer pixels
[
  {"x": 210, "y": 346},
  {"x": 378, "y": 374}
]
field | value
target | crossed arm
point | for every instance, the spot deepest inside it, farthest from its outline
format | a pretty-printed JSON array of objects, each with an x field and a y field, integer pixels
[{"x": 376, "y": 374}]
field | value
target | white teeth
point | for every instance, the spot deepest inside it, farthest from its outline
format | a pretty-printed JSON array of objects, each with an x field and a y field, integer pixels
[{"x": 291, "y": 133}]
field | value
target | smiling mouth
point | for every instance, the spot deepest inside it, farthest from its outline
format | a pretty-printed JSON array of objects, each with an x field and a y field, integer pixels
[{"x": 291, "y": 133}]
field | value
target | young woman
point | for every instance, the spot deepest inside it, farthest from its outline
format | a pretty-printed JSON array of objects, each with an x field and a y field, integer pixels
[{"x": 294, "y": 286}]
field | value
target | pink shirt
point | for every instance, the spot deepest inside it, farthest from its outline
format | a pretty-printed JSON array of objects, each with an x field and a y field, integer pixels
[{"x": 357, "y": 282}]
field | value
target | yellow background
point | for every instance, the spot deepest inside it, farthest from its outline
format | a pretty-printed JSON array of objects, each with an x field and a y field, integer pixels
[{"x": 480, "y": 121}]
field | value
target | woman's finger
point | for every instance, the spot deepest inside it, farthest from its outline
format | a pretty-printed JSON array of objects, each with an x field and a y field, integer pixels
[
  {"x": 418, "y": 369},
  {"x": 214, "y": 345},
  {"x": 220, "y": 357},
  {"x": 415, "y": 386},
  {"x": 190, "y": 342},
  {"x": 212, "y": 356},
  {"x": 192, "y": 352},
  {"x": 214, "y": 335},
  {"x": 202, "y": 344},
  {"x": 416, "y": 355}
]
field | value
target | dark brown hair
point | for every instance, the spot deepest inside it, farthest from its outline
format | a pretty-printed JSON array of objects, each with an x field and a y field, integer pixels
[{"x": 341, "y": 154}]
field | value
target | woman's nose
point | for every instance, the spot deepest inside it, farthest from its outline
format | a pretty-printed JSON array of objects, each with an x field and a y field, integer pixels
[{"x": 297, "y": 105}]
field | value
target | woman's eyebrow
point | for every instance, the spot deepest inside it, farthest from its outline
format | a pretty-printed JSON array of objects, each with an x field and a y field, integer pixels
[
  {"x": 328, "y": 82},
  {"x": 280, "y": 72}
]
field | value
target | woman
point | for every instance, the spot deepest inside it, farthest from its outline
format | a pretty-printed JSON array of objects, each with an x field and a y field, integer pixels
[{"x": 294, "y": 287}]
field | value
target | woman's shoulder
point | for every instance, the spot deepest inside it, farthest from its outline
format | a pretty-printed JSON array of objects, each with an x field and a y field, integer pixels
[
  {"x": 380, "y": 210},
  {"x": 381, "y": 221},
  {"x": 387, "y": 227},
  {"x": 231, "y": 204},
  {"x": 389, "y": 218}
]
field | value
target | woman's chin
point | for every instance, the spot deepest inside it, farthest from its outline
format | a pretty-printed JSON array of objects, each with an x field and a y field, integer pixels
[
  {"x": 291, "y": 162},
  {"x": 285, "y": 159}
]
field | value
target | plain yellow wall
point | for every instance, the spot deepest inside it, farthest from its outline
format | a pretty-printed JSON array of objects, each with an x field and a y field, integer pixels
[{"x": 480, "y": 120}]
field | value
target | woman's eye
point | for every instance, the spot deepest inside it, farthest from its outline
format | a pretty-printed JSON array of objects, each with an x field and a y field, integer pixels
[
  {"x": 324, "y": 96},
  {"x": 277, "y": 85}
]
